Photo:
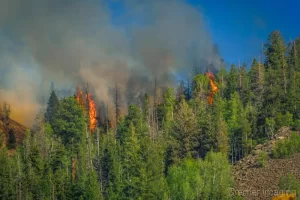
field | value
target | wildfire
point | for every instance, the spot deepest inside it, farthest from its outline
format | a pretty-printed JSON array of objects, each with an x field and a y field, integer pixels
[
  {"x": 213, "y": 86},
  {"x": 91, "y": 107},
  {"x": 79, "y": 97},
  {"x": 92, "y": 112}
]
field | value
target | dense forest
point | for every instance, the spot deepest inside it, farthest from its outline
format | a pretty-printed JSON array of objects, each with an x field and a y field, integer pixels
[{"x": 181, "y": 147}]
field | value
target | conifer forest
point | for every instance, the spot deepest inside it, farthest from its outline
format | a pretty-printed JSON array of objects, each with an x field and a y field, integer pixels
[{"x": 176, "y": 134}]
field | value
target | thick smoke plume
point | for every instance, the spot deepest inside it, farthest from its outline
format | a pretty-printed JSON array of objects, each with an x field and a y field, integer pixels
[{"x": 77, "y": 41}]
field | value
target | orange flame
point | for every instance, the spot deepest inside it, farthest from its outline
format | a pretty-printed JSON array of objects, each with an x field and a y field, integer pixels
[
  {"x": 91, "y": 107},
  {"x": 80, "y": 98},
  {"x": 213, "y": 86},
  {"x": 92, "y": 112}
]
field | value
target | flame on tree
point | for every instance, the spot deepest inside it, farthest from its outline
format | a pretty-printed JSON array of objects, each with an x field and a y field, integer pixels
[
  {"x": 91, "y": 107},
  {"x": 92, "y": 112},
  {"x": 79, "y": 97},
  {"x": 213, "y": 87}
]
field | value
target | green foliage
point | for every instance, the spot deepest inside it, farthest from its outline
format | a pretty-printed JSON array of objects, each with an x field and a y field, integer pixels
[
  {"x": 69, "y": 123},
  {"x": 287, "y": 147},
  {"x": 275, "y": 90},
  {"x": 7, "y": 176},
  {"x": 262, "y": 159},
  {"x": 290, "y": 184},
  {"x": 146, "y": 107},
  {"x": 221, "y": 79},
  {"x": 52, "y": 107},
  {"x": 284, "y": 120},
  {"x": 154, "y": 151},
  {"x": 270, "y": 127},
  {"x": 183, "y": 132},
  {"x": 297, "y": 125},
  {"x": 200, "y": 86},
  {"x": 168, "y": 109},
  {"x": 232, "y": 82},
  {"x": 201, "y": 179}
]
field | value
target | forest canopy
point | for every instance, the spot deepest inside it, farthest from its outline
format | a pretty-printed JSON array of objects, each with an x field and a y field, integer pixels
[{"x": 181, "y": 145}]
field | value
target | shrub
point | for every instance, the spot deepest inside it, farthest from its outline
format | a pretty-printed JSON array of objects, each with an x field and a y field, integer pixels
[
  {"x": 262, "y": 159},
  {"x": 296, "y": 125},
  {"x": 289, "y": 184},
  {"x": 284, "y": 120},
  {"x": 287, "y": 147}
]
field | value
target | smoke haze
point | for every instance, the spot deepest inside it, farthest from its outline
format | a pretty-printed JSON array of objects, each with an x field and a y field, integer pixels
[{"x": 74, "y": 41}]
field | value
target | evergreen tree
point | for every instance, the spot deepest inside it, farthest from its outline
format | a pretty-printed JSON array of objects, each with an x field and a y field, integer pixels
[
  {"x": 7, "y": 177},
  {"x": 180, "y": 90},
  {"x": 244, "y": 85},
  {"x": 183, "y": 132},
  {"x": 293, "y": 91},
  {"x": 276, "y": 75},
  {"x": 131, "y": 166},
  {"x": 51, "y": 107},
  {"x": 232, "y": 81},
  {"x": 221, "y": 79},
  {"x": 168, "y": 109},
  {"x": 146, "y": 107},
  {"x": 69, "y": 122}
]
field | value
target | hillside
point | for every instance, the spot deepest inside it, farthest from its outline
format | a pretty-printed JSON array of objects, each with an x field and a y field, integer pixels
[
  {"x": 262, "y": 182},
  {"x": 18, "y": 130}
]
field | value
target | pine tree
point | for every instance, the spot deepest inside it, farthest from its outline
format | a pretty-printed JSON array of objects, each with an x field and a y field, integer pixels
[
  {"x": 180, "y": 91},
  {"x": 168, "y": 110},
  {"x": 7, "y": 177},
  {"x": 222, "y": 134},
  {"x": 131, "y": 166},
  {"x": 276, "y": 75},
  {"x": 200, "y": 87},
  {"x": 145, "y": 108},
  {"x": 238, "y": 127},
  {"x": 244, "y": 85},
  {"x": 221, "y": 79},
  {"x": 256, "y": 76},
  {"x": 69, "y": 122},
  {"x": 232, "y": 82},
  {"x": 293, "y": 91},
  {"x": 183, "y": 132},
  {"x": 52, "y": 107}
]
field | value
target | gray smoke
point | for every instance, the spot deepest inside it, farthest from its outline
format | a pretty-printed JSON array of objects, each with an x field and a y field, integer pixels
[{"x": 74, "y": 41}]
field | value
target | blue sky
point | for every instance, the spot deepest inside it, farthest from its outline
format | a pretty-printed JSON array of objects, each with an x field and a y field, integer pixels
[{"x": 240, "y": 27}]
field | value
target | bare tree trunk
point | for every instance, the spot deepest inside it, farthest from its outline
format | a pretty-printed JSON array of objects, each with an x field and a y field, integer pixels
[
  {"x": 19, "y": 179},
  {"x": 155, "y": 120},
  {"x": 107, "y": 118},
  {"x": 88, "y": 148},
  {"x": 73, "y": 169}
]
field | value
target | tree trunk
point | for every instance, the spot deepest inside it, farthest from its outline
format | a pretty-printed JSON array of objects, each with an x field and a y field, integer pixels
[{"x": 73, "y": 169}]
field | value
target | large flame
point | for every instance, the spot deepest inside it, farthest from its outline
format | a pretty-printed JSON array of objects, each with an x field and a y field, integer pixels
[
  {"x": 92, "y": 112},
  {"x": 213, "y": 87},
  {"x": 79, "y": 97},
  {"x": 91, "y": 107}
]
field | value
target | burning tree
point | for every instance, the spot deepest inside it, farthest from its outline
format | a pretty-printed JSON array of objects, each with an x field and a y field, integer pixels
[
  {"x": 91, "y": 107},
  {"x": 92, "y": 112},
  {"x": 213, "y": 87}
]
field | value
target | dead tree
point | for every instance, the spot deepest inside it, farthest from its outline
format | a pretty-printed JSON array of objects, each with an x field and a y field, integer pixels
[{"x": 117, "y": 105}]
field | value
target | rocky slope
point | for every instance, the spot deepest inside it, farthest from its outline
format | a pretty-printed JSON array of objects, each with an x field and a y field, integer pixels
[{"x": 255, "y": 182}]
